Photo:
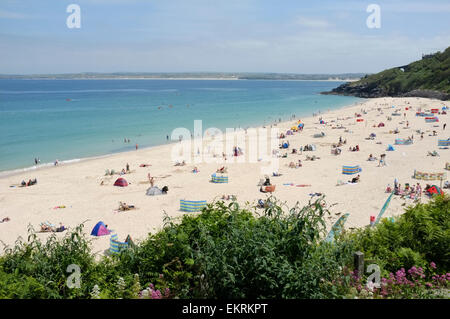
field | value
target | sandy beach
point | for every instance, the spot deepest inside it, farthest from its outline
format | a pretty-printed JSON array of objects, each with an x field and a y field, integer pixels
[{"x": 77, "y": 186}]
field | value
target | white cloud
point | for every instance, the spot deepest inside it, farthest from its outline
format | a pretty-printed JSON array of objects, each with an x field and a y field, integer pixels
[{"x": 312, "y": 22}]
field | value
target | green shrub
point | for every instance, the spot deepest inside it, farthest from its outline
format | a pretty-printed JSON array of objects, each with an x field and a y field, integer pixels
[{"x": 418, "y": 237}]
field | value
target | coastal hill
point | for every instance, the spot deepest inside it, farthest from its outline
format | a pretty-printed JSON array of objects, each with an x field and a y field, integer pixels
[
  {"x": 429, "y": 77},
  {"x": 191, "y": 75}
]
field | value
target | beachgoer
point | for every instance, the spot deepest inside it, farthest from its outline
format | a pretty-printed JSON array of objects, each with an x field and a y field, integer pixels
[
  {"x": 128, "y": 167},
  {"x": 165, "y": 189},
  {"x": 355, "y": 180},
  {"x": 443, "y": 126}
]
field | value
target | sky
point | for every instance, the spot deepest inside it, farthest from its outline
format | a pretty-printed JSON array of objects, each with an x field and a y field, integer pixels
[{"x": 285, "y": 36}]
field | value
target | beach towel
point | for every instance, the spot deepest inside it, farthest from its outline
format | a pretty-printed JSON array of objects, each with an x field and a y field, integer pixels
[
  {"x": 350, "y": 170},
  {"x": 192, "y": 206}
]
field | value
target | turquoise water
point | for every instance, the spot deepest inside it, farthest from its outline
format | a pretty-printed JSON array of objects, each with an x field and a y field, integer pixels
[{"x": 72, "y": 119}]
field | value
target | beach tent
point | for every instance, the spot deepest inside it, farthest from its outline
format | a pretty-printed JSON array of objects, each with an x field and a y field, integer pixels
[
  {"x": 322, "y": 134},
  {"x": 152, "y": 191},
  {"x": 381, "y": 124},
  {"x": 100, "y": 229},
  {"x": 322, "y": 122},
  {"x": 444, "y": 142},
  {"x": 434, "y": 190},
  {"x": 390, "y": 148},
  {"x": 350, "y": 170},
  {"x": 192, "y": 206},
  {"x": 121, "y": 182},
  {"x": 285, "y": 145},
  {"x": 301, "y": 125},
  {"x": 115, "y": 246},
  {"x": 219, "y": 179}
]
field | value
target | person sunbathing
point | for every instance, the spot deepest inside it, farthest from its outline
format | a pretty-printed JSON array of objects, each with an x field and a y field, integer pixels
[
  {"x": 371, "y": 158},
  {"x": 6, "y": 219},
  {"x": 354, "y": 180},
  {"x": 124, "y": 206},
  {"x": 180, "y": 164},
  {"x": 195, "y": 170},
  {"x": 223, "y": 169},
  {"x": 47, "y": 228},
  {"x": 276, "y": 174},
  {"x": 292, "y": 165}
]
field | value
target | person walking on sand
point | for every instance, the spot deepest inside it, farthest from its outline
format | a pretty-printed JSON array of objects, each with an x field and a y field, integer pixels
[
  {"x": 128, "y": 167},
  {"x": 136, "y": 147},
  {"x": 443, "y": 126}
]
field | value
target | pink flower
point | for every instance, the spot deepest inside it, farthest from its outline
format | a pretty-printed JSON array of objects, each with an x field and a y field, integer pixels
[{"x": 433, "y": 265}]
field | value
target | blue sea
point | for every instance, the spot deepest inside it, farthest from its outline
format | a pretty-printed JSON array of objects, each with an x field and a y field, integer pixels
[{"x": 73, "y": 119}]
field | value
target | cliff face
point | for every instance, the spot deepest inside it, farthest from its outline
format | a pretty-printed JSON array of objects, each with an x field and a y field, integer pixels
[{"x": 429, "y": 77}]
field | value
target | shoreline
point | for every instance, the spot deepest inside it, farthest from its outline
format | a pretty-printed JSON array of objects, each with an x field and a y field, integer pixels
[
  {"x": 17, "y": 171},
  {"x": 185, "y": 79}
]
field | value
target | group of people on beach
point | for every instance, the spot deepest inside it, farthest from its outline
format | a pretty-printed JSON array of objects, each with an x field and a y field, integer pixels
[
  {"x": 29, "y": 183},
  {"x": 413, "y": 192}
]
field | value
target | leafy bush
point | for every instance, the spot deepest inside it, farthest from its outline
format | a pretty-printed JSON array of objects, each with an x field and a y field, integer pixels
[
  {"x": 46, "y": 263},
  {"x": 418, "y": 237},
  {"x": 230, "y": 252}
]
